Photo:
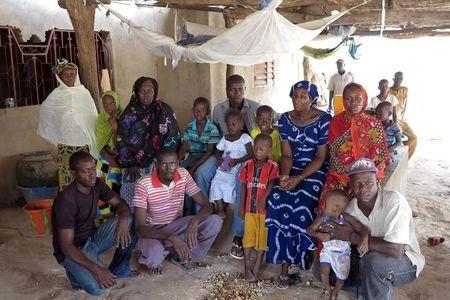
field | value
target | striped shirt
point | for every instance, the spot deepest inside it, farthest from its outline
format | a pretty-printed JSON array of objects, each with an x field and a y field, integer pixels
[
  {"x": 198, "y": 143},
  {"x": 256, "y": 181},
  {"x": 163, "y": 203}
]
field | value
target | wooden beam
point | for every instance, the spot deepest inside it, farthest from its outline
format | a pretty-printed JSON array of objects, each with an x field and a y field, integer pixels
[
  {"x": 408, "y": 33},
  {"x": 82, "y": 18},
  {"x": 229, "y": 22}
]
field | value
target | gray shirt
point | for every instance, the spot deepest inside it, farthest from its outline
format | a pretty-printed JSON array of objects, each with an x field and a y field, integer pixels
[{"x": 248, "y": 112}]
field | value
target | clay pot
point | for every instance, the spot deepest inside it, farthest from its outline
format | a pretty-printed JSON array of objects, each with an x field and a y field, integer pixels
[{"x": 38, "y": 168}]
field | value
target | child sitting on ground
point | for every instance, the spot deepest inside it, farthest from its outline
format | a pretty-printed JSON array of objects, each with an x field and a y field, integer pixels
[
  {"x": 258, "y": 176},
  {"x": 336, "y": 253},
  {"x": 200, "y": 137},
  {"x": 264, "y": 120},
  {"x": 393, "y": 132},
  {"x": 232, "y": 150}
]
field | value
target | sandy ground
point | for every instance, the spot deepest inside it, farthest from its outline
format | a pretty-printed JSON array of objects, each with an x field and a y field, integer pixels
[{"x": 29, "y": 270}]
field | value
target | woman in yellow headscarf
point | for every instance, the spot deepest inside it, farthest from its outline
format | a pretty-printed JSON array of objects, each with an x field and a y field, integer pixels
[{"x": 106, "y": 131}]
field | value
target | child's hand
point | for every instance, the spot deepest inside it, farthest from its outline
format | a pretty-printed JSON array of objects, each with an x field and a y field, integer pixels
[
  {"x": 219, "y": 161},
  {"x": 241, "y": 212},
  {"x": 363, "y": 247},
  {"x": 232, "y": 163},
  {"x": 261, "y": 205},
  {"x": 324, "y": 237}
]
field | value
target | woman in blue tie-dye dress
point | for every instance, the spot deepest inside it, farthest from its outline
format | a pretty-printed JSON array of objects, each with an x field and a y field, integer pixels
[{"x": 292, "y": 205}]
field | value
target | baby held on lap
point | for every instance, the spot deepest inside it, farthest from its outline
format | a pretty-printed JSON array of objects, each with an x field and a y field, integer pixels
[{"x": 335, "y": 254}]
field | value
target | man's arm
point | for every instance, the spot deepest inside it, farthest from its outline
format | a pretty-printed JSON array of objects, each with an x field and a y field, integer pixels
[
  {"x": 312, "y": 230},
  {"x": 330, "y": 101},
  {"x": 209, "y": 152},
  {"x": 123, "y": 237},
  {"x": 103, "y": 276}
]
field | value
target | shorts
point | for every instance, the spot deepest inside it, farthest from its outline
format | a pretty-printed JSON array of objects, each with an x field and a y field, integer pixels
[{"x": 255, "y": 232}]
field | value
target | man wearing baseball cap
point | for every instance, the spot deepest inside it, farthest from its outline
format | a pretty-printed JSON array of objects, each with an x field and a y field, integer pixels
[{"x": 394, "y": 257}]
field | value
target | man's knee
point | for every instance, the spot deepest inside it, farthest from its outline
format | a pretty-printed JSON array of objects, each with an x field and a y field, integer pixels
[
  {"x": 374, "y": 262},
  {"x": 214, "y": 224},
  {"x": 152, "y": 252}
]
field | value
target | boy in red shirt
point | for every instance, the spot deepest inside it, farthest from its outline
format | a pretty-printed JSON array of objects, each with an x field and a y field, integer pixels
[{"x": 258, "y": 176}]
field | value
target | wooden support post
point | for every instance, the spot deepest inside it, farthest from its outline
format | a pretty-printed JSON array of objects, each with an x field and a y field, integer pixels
[
  {"x": 82, "y": 17},
  {"x": 306, "y": 68},
  {"x": 229, "y": 22}
]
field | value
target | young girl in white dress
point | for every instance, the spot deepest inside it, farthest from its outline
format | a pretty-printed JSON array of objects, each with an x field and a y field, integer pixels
[{"x": 232, "y": 150}]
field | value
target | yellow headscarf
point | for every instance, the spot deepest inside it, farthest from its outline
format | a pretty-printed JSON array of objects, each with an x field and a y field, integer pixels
[{"x": 103, "y": 129}]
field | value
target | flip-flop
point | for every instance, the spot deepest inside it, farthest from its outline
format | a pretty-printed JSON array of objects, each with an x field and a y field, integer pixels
[
  {"x": 189, "y": 267},
  {"x": 280, "y": 286}
]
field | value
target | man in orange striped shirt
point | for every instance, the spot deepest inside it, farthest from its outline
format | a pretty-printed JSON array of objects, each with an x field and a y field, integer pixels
[{"x": 158, "y": 200}]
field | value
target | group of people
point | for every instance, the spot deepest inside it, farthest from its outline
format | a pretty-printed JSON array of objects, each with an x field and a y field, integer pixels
[{"x": 288, "y": 183}]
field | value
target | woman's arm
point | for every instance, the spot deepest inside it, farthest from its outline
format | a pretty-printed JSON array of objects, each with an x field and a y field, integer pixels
[{"x": 312, "y": 167}]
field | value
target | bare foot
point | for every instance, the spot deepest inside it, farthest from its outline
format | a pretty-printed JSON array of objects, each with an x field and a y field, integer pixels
[
  {"x": 158, "y": 271},
  {"x": 326, "y": 293},
  {"x": 250, "y": 277}
]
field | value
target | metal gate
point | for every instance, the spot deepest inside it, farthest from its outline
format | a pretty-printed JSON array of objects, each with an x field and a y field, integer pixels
[{"x": 25, "y": 68}]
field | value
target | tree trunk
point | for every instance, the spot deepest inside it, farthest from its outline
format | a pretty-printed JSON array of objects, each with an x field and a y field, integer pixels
[{"x": 82, "y": 18}]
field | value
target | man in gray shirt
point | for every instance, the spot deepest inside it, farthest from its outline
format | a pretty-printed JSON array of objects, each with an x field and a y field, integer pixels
[{"x": 235, "y": 94}]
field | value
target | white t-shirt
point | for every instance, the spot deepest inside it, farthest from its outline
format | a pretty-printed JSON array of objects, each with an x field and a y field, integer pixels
[
  {"x": 373, "y": 103},
  {"x": 235, "y": 149},
  {"x": 338, "y": 82},
  {"x": 391, "y": 219}
]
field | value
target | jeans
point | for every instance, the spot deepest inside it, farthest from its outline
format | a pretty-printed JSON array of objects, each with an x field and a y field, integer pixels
[
  {"x": 100, "y": 242},
  {"x": 379, "y": 274},
  {"x": 203, "y": 177}
]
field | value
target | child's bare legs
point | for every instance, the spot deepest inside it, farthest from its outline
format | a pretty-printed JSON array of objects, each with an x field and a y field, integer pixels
[
  {"x": 249, "y": 275},
  {"x": 258, "y": 262},
  {"x": 337, "y": 287},
  {"x": 325, "y": 276},
  {"x": 221, "y": 209}
]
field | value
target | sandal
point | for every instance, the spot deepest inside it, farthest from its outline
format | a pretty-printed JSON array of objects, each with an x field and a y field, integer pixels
[
  {"x": 157, "y": 271},
  {"x": 237, "y": 251},
  {"x": 282, "y": 286},
  {"x": 188, "y": 266}
]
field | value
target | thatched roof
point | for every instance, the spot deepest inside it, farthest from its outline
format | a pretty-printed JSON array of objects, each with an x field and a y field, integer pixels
[{"x": 419, "y": 17}]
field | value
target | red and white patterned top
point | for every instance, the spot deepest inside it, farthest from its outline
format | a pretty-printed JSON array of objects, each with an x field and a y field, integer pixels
[{"x": 163, "y": 203}]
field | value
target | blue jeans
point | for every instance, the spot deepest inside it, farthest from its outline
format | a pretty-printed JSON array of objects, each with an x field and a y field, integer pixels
[
  {"x": 203, "y": 177},
  {"x": 101, "y": 241}
]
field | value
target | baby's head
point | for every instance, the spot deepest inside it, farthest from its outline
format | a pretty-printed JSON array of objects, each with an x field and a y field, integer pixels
[
  {"x": 262, "y": 146},
  {"x": 264, "y": 118},
  {"x": 235, "y": 121},
  {"x": 201, "y": 108},
  {"x": 384, "y": 111},
  {"x": 336, "y": 202}
]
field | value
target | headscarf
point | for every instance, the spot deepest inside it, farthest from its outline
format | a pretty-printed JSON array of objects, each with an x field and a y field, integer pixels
[
  {"x": 366, "y": 134},
  {"x": 68, "y": 115},
  {"x": 103, "y": 128},
  {"x": 310, "y": 87},
  {"x": 61, "y": 64},
  {"x": 143, "y": 130}
]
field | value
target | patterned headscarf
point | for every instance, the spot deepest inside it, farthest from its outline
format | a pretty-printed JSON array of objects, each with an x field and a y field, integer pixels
[
  {"x": 310, "y": 87},
  {"x": 61, "y": 64}
]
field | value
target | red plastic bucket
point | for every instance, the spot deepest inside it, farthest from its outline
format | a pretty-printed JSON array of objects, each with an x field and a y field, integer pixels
[{"x": 40, "y": 213}]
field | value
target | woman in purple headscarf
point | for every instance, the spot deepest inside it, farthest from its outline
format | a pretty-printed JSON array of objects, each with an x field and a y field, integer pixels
[{"x": 292, "y": 205}]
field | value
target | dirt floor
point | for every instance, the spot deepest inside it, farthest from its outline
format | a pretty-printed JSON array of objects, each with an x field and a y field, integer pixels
[{"x": 29, "y": 270}]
